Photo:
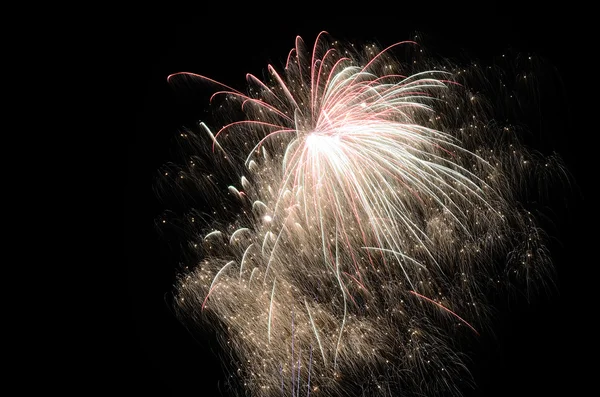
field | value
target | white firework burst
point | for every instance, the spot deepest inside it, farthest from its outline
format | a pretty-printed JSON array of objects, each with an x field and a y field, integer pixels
[{"x": 376, "y": 204}]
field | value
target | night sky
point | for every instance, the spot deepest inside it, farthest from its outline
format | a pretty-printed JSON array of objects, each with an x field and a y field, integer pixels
[{"x": 539, "y": 348}]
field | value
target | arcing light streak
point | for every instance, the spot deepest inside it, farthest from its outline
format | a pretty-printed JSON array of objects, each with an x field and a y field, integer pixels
[{"x": 369, "y": 201}]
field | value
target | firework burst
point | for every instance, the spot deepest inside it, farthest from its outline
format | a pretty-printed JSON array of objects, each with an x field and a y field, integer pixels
[{"x": 375, "y": 202}]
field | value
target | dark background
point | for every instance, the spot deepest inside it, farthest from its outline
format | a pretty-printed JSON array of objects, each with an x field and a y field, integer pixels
[{"x": 540, "y": 348}]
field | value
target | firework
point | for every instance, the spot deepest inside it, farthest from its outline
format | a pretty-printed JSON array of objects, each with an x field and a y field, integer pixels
[{"x": 374, "y": 203}]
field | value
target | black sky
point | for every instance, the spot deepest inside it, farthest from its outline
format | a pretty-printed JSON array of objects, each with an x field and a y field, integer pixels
[{"x": 540, "y": 348}]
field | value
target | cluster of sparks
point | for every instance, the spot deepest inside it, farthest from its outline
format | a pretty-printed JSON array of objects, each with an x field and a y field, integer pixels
[{"x": 375, "y": 207}]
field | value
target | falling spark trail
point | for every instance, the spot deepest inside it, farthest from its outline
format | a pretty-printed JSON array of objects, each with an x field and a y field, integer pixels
[{"x": 446, "y": 309}]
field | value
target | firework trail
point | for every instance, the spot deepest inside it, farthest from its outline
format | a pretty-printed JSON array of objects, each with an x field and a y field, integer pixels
[{"x": 374, "y": 203}]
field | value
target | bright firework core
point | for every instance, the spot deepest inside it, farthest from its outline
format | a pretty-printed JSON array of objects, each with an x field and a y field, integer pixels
[
  {"x": 321, "y": 142},
  {"x": 364, "y": 247}
]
